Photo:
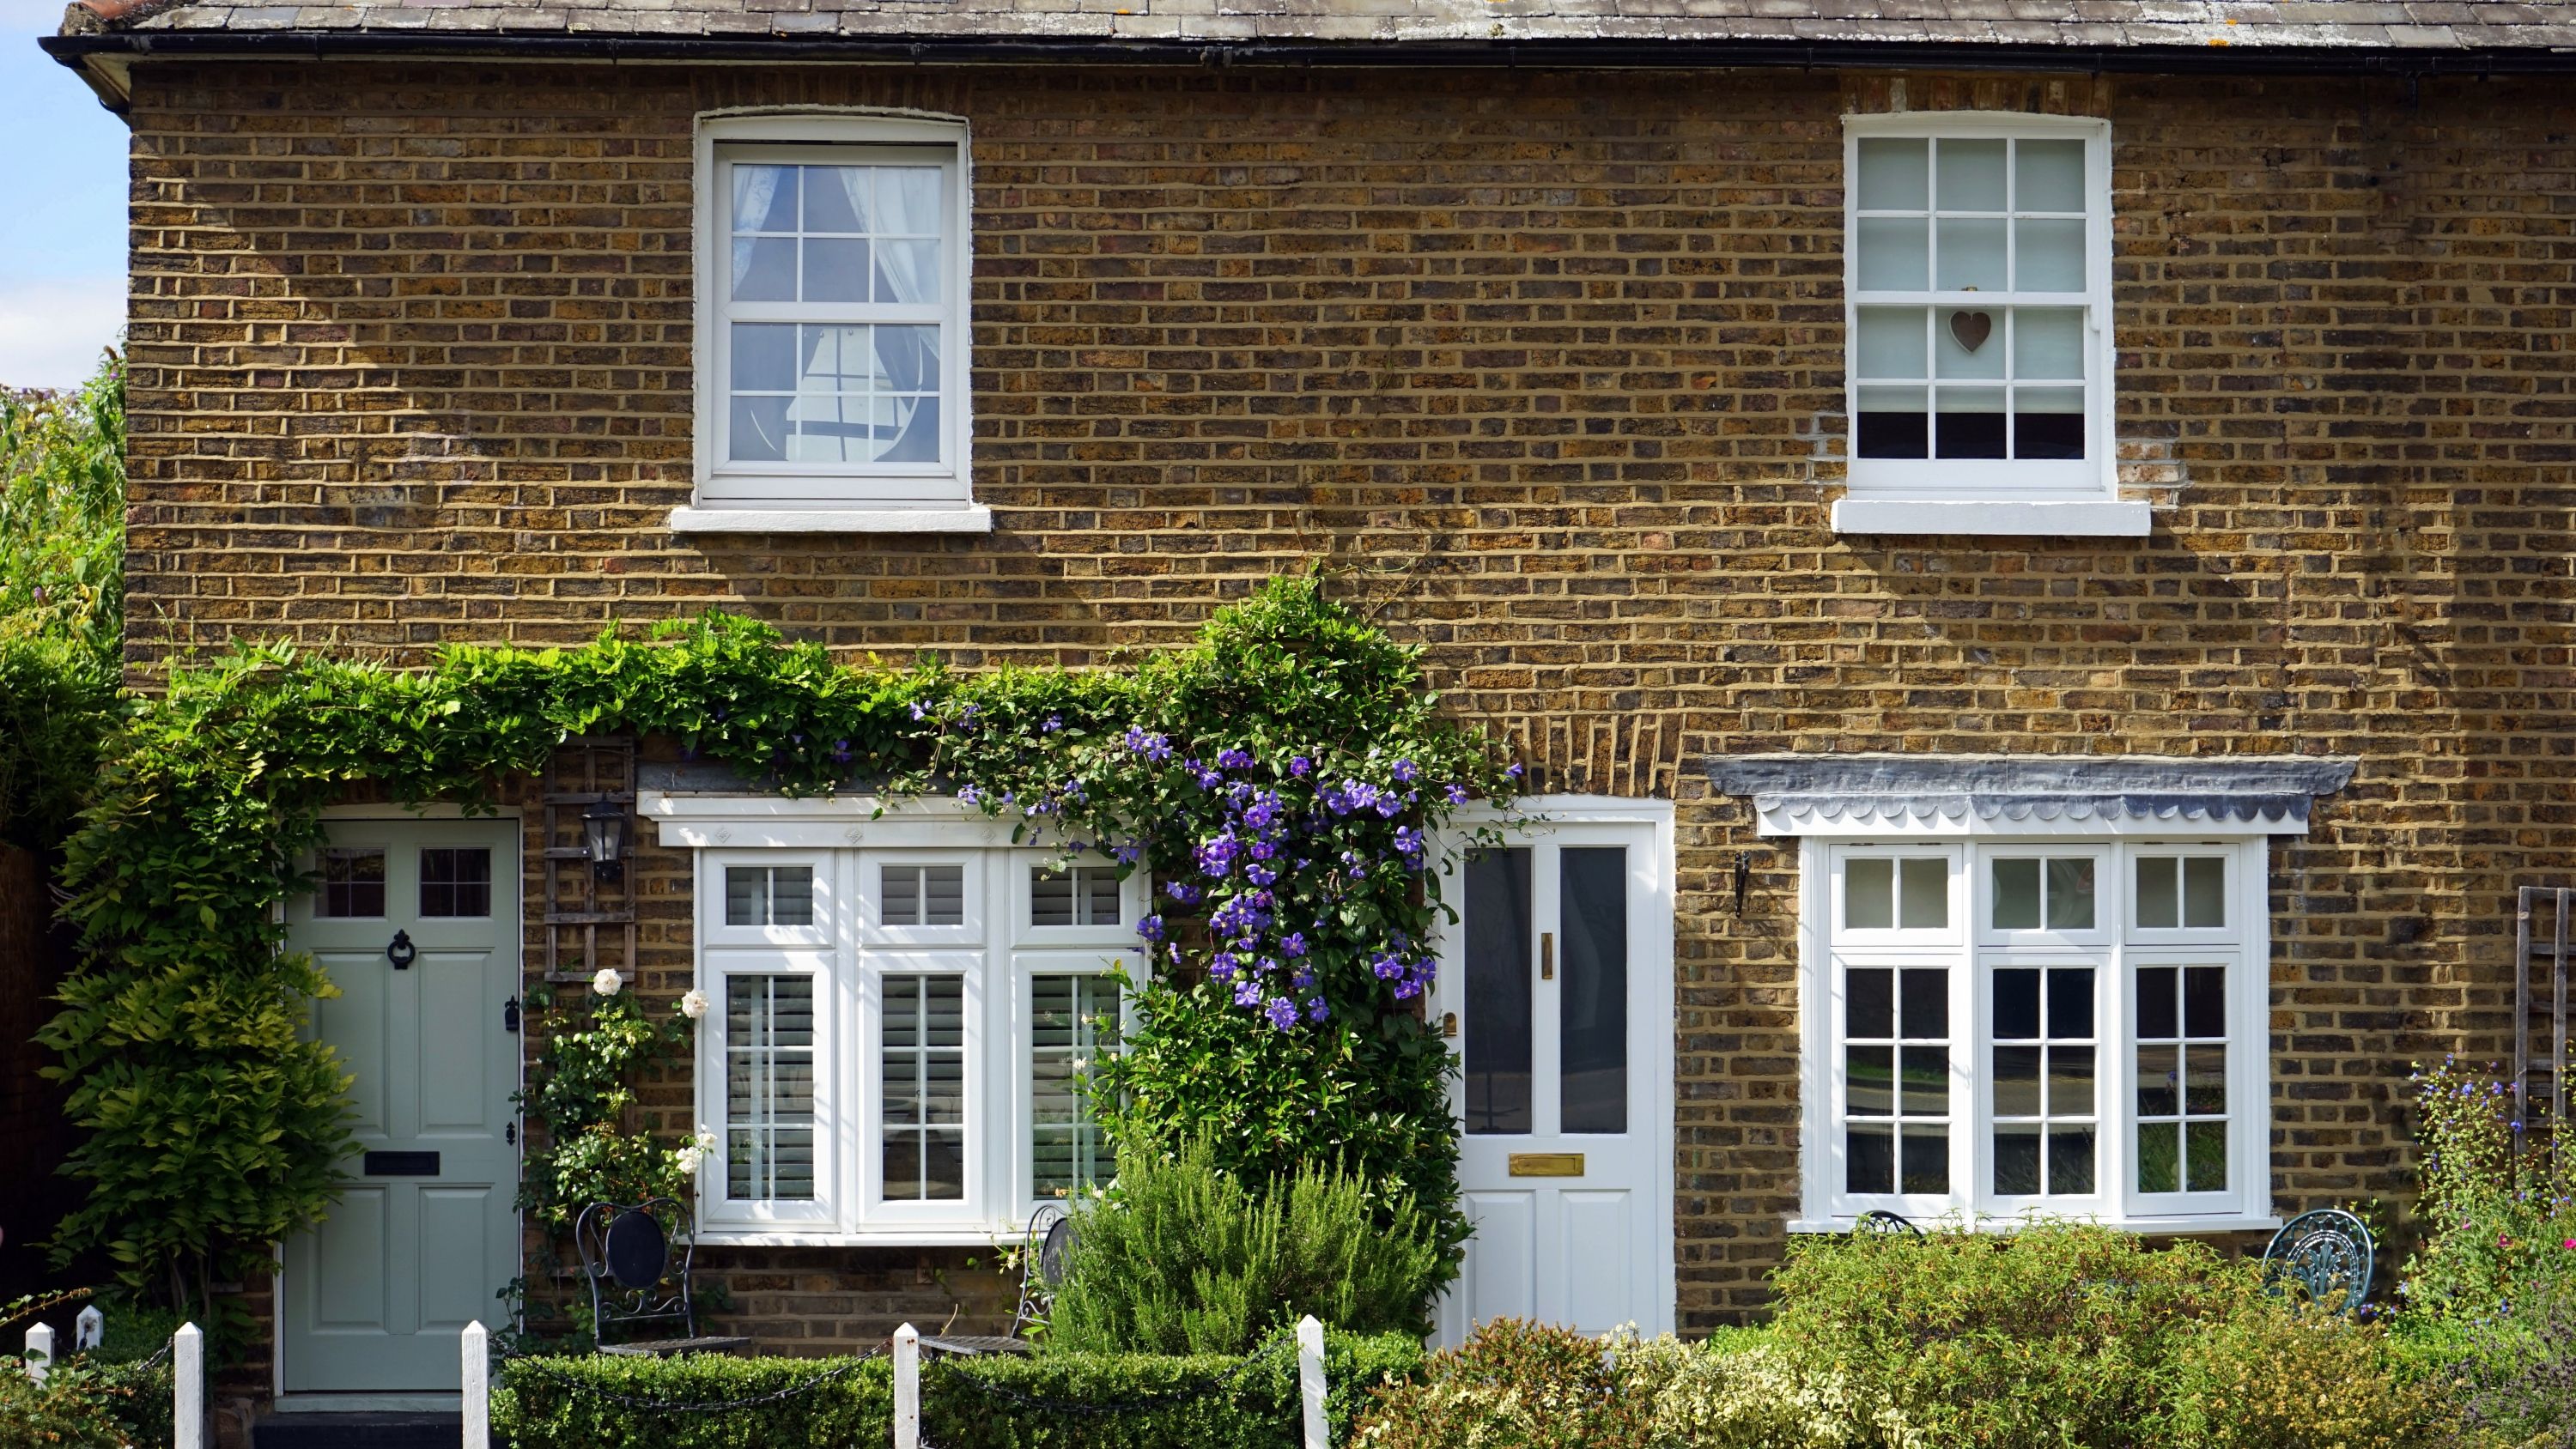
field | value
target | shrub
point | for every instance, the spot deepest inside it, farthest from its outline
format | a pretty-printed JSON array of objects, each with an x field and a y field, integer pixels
[
  {"x": 1748, "y": 1390},
  {"x": 965, "y": 1405},
  {"x": 1513, "y": 1385},
  {"x": 88, "y": 1401},
  {"x": 1184, "y": 1257},
  {"x": 2276, "y": 1374}
]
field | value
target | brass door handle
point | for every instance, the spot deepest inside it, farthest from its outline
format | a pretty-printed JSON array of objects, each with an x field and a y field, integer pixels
[{"x": 1547, "y": 955}]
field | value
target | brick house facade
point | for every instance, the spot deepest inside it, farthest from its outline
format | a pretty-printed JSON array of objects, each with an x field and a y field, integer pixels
[{"x": 1548, "y": 363}]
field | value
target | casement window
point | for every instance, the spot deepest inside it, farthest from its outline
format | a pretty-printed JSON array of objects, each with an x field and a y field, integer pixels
[
  {"x": 905, "y": 1033},
  {"x": 831, "y": 317},
  {"x": 2051, "y": 1024},
  {"x": 1979, "y": 351}
]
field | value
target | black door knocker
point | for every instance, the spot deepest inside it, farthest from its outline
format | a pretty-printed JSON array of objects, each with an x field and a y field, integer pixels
[{"x": 402, "y": 952}]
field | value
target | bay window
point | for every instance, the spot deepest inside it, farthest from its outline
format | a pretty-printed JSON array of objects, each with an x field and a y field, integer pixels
[{"x": 904, "y": 1030}]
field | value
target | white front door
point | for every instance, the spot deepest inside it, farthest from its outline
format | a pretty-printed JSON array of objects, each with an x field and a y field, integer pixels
[
  {"x": 417, "y": 922},
  {"x": 1558, "y": 978}
]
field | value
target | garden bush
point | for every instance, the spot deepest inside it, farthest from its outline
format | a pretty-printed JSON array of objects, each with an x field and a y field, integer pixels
[
  {"x": 1185, "y": 1257},
  {"x": 535, "y": 1406},
  {"x": 1514, "y": 1385}
]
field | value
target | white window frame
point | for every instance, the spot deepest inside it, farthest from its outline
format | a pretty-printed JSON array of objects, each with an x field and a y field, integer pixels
[
  {"x": 1026, "y": 967},
  {"x": 1998, "y": 496},
  {"x": 995, "y": 952},
  {"x": 834, "y": 497},
  {"x": 2116, "y": 950}
]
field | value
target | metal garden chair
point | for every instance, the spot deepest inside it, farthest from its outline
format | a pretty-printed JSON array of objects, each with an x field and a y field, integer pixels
[
  {"x": 2328, "y": 1253},
  {"x": 1042, "y": 1264},
  {"x": 627, "y": 1256}
]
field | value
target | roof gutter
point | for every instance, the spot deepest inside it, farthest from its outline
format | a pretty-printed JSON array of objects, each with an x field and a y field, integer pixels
[{"x": 121, "y": 48}]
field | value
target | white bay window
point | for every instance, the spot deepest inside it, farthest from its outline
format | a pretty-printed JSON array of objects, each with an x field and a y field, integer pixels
[{"x": 905, "y": 1027}]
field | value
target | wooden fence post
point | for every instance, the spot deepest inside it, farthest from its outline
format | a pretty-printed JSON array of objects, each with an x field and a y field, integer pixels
[
  {"x": 907, "y": 1388},
  {"x": 1310, "y": 1381},
  {"x": 89, "y": 1329},
  {"x": 188, "y": 1387},
  {"x": 474, "y": 1346},
  {"x": 40, "y": 1352}
]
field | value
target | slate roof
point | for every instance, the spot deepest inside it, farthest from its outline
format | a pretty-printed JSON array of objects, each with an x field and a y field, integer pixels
[{"x": 2213, "y": 27}]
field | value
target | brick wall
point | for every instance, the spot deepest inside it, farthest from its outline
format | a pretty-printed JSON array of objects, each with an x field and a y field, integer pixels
[{"x": 1551, "y": 366}]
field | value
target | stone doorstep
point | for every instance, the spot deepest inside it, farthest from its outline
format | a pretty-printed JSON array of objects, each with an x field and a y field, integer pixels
[{"x": 356, "y": 1431}]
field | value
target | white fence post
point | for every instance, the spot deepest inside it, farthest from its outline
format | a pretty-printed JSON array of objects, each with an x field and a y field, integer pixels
[
  {"x": 475, "y": 1346},
  {"x": 907, "y": 1388},
  {"x": 40, "y": 1352},
  {"x": 1310, "y": 1380},
  {"x": 88, "y": 1329},
  {"x": 188, "y": 1387}
]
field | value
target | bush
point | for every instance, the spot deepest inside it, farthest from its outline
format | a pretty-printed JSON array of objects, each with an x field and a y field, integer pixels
[
  {"x": 88, "y": 1401},
  {"x": 535, "y": 1406},
  {"x": 1183, "y": 1257},
  {"x": 1513, "y": 1385},
  {"x": 1748, "y": 1390},
  {"x": 2282, "y": 1375}
]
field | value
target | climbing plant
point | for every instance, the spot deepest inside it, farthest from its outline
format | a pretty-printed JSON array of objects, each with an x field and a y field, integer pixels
[{"x": 1283, "y": 779}]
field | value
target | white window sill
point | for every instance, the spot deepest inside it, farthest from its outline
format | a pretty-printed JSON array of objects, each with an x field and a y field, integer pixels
[
  {"x": 964, "y": 518},
  {"x": 982, "y": 1237},
  {"x": 2152, "y": 1227},
  {"x": 2007, "y": 518}
]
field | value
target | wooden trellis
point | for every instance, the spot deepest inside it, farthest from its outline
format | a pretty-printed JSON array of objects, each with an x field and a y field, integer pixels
[
  {"x": 580, "y": 907},
  {"x": 2541, "y": 950}
]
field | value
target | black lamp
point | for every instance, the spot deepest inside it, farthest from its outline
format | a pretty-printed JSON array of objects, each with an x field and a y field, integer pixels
[{"x": 603, "y": 833}]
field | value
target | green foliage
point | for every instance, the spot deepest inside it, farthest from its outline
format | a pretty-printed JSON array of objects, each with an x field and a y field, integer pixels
[
  {"x": 62, "y": 599},
  {"x": 1184, "y": 1257},
  {"x": 1748, "y": 1390},
  {"x": 580, "y": 1092},
  {"x": 86, "y": 1403},
  {"x": 534, "y": 1408},
  {"x": 214, "y": 1130},
  {"x": 2278, "y": 1374},
  {"x": 1514, "y": 1385}
]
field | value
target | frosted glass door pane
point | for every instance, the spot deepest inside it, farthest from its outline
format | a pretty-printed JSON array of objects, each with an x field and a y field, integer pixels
[
  {"x": 1971, "y": 176},
  {"x": 2049, "y": 176},
  {"x": 1895, "y": 254},
  {"x": 1895, "y": 175},
  {"x": 1593, "y": 1009},
  {"x": 1497, "y": 1026}
]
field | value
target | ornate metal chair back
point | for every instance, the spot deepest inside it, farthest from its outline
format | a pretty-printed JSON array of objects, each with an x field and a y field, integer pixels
[
  {"x": 627, "y": 1255},
  {"x": 1042, "y": 1264},
  {"x": 2327, "y": 1253}
]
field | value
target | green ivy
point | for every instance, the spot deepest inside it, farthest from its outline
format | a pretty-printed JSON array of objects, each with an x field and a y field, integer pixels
[{"x": 1284, "y": 774}]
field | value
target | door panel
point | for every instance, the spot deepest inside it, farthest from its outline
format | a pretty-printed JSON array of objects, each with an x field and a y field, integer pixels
[
  {"x": 1559, "y": 979},
  {"x": 373, "y": 1298}
]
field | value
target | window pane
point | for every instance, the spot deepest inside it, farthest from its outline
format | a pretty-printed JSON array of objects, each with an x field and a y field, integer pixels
[
  {"x": 2048, "y": 422},
  {"x": 2017, "y": 1158},
  {"x": 2048, "y": 344},
  {"x": 943, "y": 895},
  {"x": 2070, "y": 1003},
  {"x": 2016, "y": 895},
  {"x": 2070, "y": 1081},
  {"x": 353, "y": 883},
  {"x": 2159, "y": 1081},
  {"x": 1050, "y": 898},
  {"x": 1895, "y": 254},
  {"x": 1870, "y": 1073},
  {"x": 2070, "y": 894},
  {"x": 2207, "y": 1156},
  {"x": 764, "y": 198},
  {"x": 1099, "y": 896},
  {"x": 907, "y": 359},
  {"x": 764, "y": 357},
  {"x": 764, "y": 269},
  {"x": 1895, "y": 422},
  {"x": 1927, "y": 1157},
  {"x": 2048, "y": 256},
  {"x": 1925, "y": 899},
  {"x": 791, "y": 895},
  {"x": 1926, "y": 1081},
  {"x": 2204, "y": 891},
  {"x": 1072, "y": 1020},
  {"x": 1927, "y": 1003},
  {"x": 2070, "y": 1160},
  {"x": 769, "y": 1088},
  {"x": 2157, "y": 988},
  {"x": 1954, "y": 358},
  {"x": 2016, "y": 1081},
  {"x": 456, "y": 882},
  {"x": 1891, "y": 343},
  {"x": 758, "y": 431},
  {"x": 2016, "y": 1004},
  {"x": 1497, "y": 1027},
  {"x": 1971, "y": 176},
  {"x": 899, "y": 895},
  {"x": 1971, "y": 254},
  {"x": 2049, "y": 176},
  {"x": 1869, "y": 894},
  {"x": 1869, "y": 1159},
  {"x": 1592, "y": 1008},
  {"x": 922, "y": 1075},
  {"x": 836, "y": 198},
  {"x": 909, "y": 198},
  {"x": 907, "y": 272},
  {"x": 1868, "y": 1003},
  {"x": 762, "y": 895},
  {"x": 2159, "y": 904},
  {"x": 1968, "y": 422},
  {"x": 1895, "y": 174},
  {"x": 2204, "y": 1079},
  {"x": 2204, "y": 1001},
  {"x": 836, "y": 269},
  {"x": 2159, "y": 1157}
]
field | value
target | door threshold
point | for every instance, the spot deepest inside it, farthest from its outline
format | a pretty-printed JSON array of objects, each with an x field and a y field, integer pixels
[{"x": 339, "y": 1403}]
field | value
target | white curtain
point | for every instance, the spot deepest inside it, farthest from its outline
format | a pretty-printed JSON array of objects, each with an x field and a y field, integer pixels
[{"x": 754, "y": 188}]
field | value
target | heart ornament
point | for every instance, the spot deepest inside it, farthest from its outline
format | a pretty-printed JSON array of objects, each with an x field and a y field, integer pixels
[{"x": 1972, "y": 328}]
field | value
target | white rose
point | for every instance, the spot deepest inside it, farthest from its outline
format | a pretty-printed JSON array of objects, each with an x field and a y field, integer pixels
[
  {"x": 607, "y": 982},
  {"x": 693, "y": 1004},
  {"x": 689, "y": 1157},
  {"x": 706, "y": 1138}
]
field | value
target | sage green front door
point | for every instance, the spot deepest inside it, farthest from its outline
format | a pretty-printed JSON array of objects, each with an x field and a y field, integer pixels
[{"x": 417, "y": 923}]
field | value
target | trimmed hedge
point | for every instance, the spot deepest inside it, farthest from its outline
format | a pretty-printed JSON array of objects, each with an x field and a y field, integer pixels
[{"x": 534, "y": 1407}]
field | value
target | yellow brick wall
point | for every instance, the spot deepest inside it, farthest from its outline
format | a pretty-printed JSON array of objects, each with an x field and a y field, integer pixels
[{"x": 1549, "y": 366}]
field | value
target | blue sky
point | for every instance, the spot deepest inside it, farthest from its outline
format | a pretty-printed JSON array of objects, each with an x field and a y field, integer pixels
[{"x": 62, "y": 235}]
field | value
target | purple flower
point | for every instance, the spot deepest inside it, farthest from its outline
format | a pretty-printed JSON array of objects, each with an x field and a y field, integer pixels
[
  {"x": 1387, "y": 805},
  {"x": 841, "y": 751},
  {"x": 1053, "y": 723},
  {"x": 1151, "y": 928},
  {"x": 1298, "y": 766},
  {"x": 1293, "y": 945},
  {"x": 970, "y": 795},
  {"x": 1129, "y": 853},
  {"x": 1222, "y": 968},
  {"x": 1514, "y": 772},
  {"x": 1260, "y": 875},
  {"x": 1316, "y": 1010},
  {"x": 1262, "y": 811},
  {"x": 1182, "y": 891},
  {"x": 1282, "y": 1012},
  {"x": 1233, "y": 759},
  {"x": 919, "y": 711},
  {"x": 1247, "y": 992},
  {"x": 1263, "y": 850},
  {"x": 1457, "y": 794},
  {"x": 1405, "y": 772}
]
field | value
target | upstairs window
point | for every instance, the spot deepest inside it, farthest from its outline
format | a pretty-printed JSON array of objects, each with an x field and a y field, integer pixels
[
  {"x": 1977, "y": 274},
  {"x": 832, "y": 304}
]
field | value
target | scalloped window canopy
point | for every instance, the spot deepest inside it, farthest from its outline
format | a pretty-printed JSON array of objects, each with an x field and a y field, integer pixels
[{"x": 1957, "y": 795}]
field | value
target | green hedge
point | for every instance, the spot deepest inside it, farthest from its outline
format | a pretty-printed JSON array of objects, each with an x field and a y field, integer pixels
[{"x": 534, "y": 1407}]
